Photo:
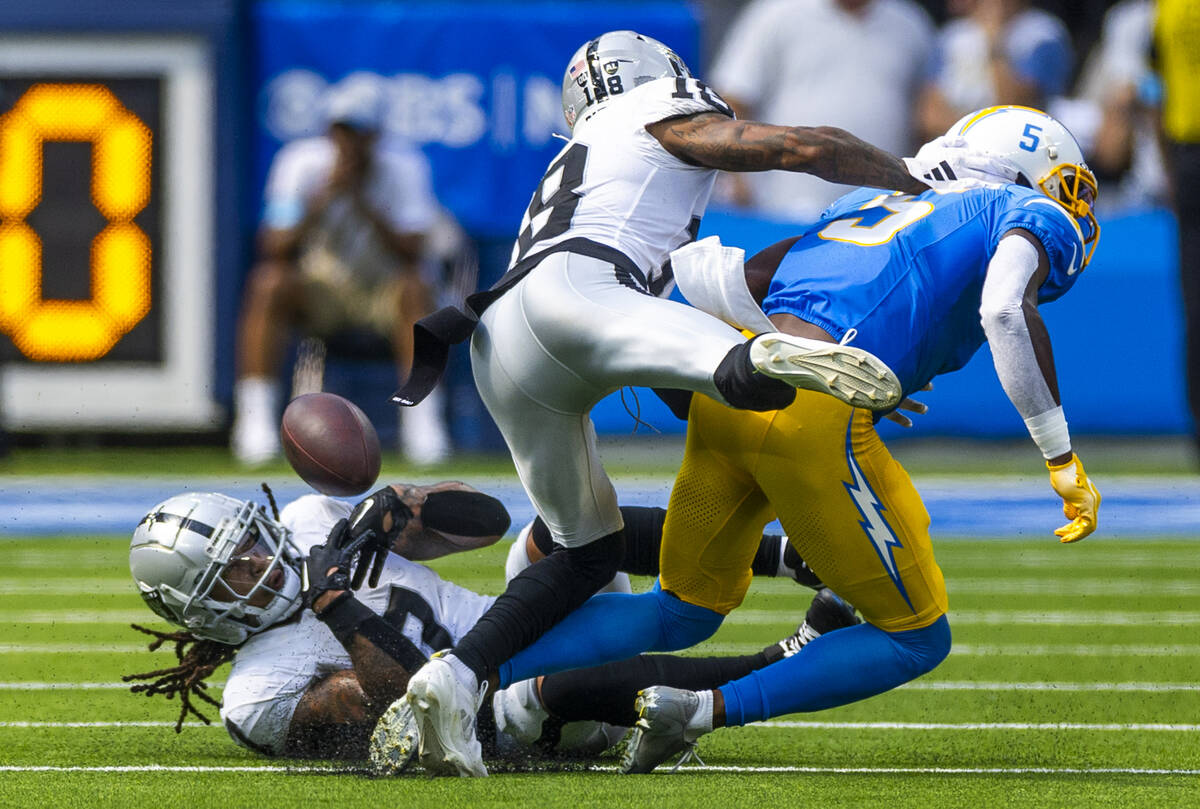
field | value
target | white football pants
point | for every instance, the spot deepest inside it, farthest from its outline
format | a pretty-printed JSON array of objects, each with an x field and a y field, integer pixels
[{"x": 565, "y": 336}]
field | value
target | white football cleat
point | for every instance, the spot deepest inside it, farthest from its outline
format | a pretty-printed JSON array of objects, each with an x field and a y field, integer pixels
[
  {"x": 395, "y": 739},
  {"x": 662, "y": 729},
  {"x": 853, "y": 375},
  {"x": 444, "y": 712}
]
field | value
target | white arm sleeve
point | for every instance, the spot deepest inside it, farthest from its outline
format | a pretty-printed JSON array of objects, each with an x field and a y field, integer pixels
[{"x": 1001, "y": 313}]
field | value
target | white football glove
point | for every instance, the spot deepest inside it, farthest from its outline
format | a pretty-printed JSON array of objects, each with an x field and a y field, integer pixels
[{"x": 948, "y": 163}]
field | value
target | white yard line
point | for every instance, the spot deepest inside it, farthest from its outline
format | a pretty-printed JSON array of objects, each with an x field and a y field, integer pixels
[
  {"x": 771, "y": 724},
  {"x": 1110, "y": 726},
  {"x": 1009, "y": 650},
  {"x": 1006, "y": 617},
  {"x": 689, "y": 768},
  {"x": 739, "y": 617},
  {"x": 69, "y": 648}
]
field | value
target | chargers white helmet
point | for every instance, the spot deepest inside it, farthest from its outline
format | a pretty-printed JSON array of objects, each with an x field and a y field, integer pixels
[
  {"x": 189, "y": 557},
  {"x": 612, "y": 64},
  {"x": 1045, "y": 154}
]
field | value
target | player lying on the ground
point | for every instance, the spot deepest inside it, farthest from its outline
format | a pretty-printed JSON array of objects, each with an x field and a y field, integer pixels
[
  {"x": 922, "y": 282},
  {"x": 307, "y": 683}
]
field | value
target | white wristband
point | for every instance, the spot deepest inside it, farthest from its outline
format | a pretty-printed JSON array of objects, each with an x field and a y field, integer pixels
[{"x": 1049, "y": 431}]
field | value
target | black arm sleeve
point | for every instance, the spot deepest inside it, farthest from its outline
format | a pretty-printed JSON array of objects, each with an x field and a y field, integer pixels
[{"x": 348, "y": 616}]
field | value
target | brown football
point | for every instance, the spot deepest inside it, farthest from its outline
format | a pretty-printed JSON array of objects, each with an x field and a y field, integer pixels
[{"x": 331, "y": 444}]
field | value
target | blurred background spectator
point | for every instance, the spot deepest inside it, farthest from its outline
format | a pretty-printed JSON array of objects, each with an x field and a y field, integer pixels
[
  {"x": 343, "y": 235},
  {"x": 853, "y": 64},
  {"x": 1114, "y": 112},
  {"x": 251, "y": 89},
  {"x": 1177, "y": 38},
  {"x": 994, "y": 52}
]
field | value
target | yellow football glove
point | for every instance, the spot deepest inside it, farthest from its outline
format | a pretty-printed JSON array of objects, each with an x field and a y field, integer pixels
[{"x": 1081, "y": 500}]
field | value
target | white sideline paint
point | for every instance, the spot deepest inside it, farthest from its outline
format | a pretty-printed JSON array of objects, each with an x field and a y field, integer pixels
[
  {"x": 916, "y": 685},
  {"x": 689, "y": 768}
]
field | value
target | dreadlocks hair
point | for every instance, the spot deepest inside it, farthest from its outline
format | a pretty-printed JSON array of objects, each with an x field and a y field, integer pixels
[
  {"x": 271, "y": 499},
  {"x": 198, "y": 658}
]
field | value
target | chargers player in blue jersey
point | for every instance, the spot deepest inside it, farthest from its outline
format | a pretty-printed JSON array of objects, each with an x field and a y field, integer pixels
[{"x": 922, "y": 281}]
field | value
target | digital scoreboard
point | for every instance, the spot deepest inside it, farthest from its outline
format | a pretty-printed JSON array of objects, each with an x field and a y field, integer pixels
[{"x": 106, "y": 233}]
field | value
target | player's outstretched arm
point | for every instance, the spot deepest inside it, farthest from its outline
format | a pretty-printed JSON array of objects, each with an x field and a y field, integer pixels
[
  {"x": 1024, "y": 363},
  {"x": 719, "y": 142}
]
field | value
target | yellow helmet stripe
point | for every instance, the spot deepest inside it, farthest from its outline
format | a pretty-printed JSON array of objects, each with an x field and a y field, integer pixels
[{"x": 984, "y": 113}]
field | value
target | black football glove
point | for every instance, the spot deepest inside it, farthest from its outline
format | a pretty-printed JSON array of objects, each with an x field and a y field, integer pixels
[
  {"x": 367, "y": 520},
  {"x": 327, "y": 567}
]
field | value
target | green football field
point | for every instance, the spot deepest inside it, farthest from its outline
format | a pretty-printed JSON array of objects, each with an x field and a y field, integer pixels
[{"x": 1073, "y": 682}]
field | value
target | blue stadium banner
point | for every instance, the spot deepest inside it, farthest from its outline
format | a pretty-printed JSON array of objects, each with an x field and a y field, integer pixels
[{"x": 475, "y": 85}]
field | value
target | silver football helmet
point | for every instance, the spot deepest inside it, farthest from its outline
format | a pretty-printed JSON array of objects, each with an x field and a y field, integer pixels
[
  {"x": 1045, "y": 155},
  {"x": 218, "y": 567},
  {"x": 612, "y": 64}
]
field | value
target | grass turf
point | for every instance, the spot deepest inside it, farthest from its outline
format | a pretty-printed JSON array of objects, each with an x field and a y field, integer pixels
[{"x": 1073, "y": 678}]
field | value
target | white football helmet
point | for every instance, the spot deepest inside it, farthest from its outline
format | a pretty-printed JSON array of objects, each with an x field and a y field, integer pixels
[
  {"x": 179, "y": 557},
  {"x": 612, "y": 64},
  {"x": 1045, "y": 155}
]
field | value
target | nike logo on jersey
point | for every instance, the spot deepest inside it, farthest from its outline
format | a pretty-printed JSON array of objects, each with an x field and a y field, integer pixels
[
  {"x": 1072, "y": 267},
  {"x": 881, "y": 535}
]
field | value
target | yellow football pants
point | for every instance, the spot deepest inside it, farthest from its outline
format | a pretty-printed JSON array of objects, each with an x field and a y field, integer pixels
[{"x": 847, "y": 506}]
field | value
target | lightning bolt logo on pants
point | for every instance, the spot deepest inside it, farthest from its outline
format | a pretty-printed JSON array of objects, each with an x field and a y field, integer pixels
[{"x": 882, "y": 537}]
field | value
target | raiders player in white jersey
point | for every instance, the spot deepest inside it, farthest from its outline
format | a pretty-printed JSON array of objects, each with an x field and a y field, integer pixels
[
  {"x": 313, "y": 682},
  {"x": 578, "y": 316}
]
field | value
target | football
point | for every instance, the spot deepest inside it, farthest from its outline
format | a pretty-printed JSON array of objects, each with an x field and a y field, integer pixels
[{"x": 331, "y": 444}]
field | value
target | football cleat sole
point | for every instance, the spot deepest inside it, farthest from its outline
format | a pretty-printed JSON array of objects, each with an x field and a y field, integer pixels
[
  {"x": 395, "y": 740},
  {"x": 855, "y": 376}
]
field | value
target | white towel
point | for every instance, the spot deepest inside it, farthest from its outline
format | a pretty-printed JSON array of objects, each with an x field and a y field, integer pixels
[{"x": 711, "y": 277}]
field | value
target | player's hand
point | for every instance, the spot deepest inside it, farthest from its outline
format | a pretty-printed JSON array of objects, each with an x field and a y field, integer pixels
[
  {"x": 327, "y": 568},
  {"x": 381, "y": 516},
  {"x": 1081, "y": 499},
  {"x": 948, "y": 163},
  {"x": 912, "y": 406}
]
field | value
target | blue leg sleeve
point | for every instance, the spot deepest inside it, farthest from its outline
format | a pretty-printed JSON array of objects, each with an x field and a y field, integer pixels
[
  {"x": 843, "y": 666},
  {"x": 613, "y": 626}
]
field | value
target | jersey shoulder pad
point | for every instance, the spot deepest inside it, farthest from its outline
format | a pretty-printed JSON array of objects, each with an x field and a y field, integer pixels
[
  {"x": 670, "y": 97},
  {"x": 1056, "y": 229}
]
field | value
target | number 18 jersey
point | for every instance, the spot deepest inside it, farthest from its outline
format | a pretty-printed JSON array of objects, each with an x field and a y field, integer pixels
[{"x": 615, "y": 184}]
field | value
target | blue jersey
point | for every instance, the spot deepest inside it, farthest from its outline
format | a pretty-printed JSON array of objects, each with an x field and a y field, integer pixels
[{"x": 907, "y": 272}]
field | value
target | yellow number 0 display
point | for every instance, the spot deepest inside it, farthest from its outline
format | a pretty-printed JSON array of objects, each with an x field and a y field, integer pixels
[{"x": 74, "y": 330}]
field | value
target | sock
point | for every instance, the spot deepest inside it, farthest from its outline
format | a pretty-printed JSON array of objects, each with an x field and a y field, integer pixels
[
  {"x": 835, "y": 669},
  {"x": 257, "y": 399},
  {"x": 537, "y": 599},
  {"x": 702, "y": 720},
  {"x": 606, "y": 693}
]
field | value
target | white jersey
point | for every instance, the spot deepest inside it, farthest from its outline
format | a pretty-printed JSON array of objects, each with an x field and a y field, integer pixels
[
  {"x": 273, "y": 669},
  {"x": 615, "y": 184}
]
